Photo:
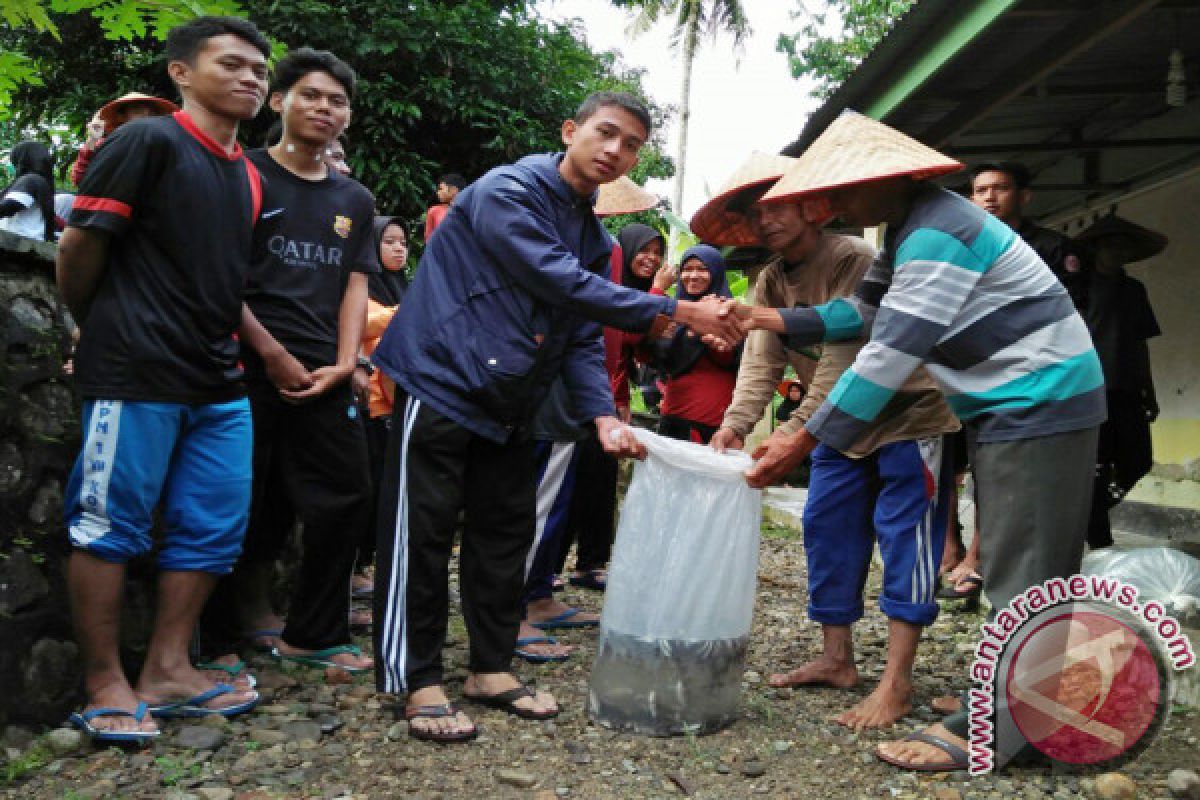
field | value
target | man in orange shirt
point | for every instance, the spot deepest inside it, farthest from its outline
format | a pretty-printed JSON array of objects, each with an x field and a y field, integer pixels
[{"x": 447, "y": 189}]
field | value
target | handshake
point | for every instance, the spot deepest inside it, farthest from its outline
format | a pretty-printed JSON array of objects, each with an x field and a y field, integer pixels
[{"x": 722, "y": 322}]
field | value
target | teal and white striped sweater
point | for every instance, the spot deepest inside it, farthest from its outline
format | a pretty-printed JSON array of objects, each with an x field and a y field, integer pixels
[{"x": 957, "y": 290}]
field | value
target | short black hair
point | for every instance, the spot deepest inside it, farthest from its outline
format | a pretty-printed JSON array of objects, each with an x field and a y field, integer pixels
[
  {"x": 184, "y": 41},
  {"x": 453, "y": 179},
  {"x": 598, "y": 100},
  {"x": 1013, "y": 169},
  {"x": 303, "y": 60}
]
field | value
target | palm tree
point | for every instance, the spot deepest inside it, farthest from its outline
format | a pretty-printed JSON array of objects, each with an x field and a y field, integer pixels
[{"x": 693, "y": 18}]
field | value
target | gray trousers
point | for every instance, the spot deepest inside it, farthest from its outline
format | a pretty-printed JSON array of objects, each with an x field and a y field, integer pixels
[{"x": 1034, "y": 498}]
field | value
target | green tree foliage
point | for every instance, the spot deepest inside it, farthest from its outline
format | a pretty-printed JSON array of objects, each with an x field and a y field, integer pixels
[
  {"x": 116, "y": 20},
  {"x": 443, "y": 87},
  {"x": 830, "y": 57}
]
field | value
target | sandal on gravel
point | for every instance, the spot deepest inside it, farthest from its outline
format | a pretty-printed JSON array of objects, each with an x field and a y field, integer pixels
[
  {"x": 591, "y": 579},
  {"x": 534, "y": 657},
  {"x": 959, "y": 758},
  {"x": 566, "y": 620},
  {"x": 507, "y": 701},
  {"x": 322, "y": 659},
  {"x": 83, "y": 721},
  {"x": 436, "y": 712},
  {"x": 973, "y": 583},
  {"x": 194, "y": 706},
  {"x": 234, "y": 671}
]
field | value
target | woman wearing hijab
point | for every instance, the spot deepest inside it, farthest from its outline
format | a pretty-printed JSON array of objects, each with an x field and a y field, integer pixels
[
  {"x": 27, "y": 204},
  {"x": 699, "y": 379},
  {"x": 385, "y": 290}
]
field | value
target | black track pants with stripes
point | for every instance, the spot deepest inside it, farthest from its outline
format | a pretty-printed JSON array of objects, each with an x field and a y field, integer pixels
[{"x": 436, "y": 471}]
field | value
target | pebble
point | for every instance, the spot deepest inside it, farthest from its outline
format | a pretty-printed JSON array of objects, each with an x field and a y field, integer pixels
[
  {"x": 1184, "y": 784},
  {"x": 306, "y": 730},
  {"x": 946, "y": 793},
  {"x": 754, "y": 769},
  {"x": 215, "y": 793},
  {"x": 268, "y": 736},
  {"x": 338, "y": 676},
  {"x": 515, "y": 777},
  {"x": 199, "y": 737},
  {"x": 397, "y": 731},
  {"x": 63, "y": 741},
  {"x": 1114, "y": 786}
]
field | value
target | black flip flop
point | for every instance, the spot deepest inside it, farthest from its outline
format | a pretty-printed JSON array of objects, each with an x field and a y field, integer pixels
[
  {"x": 507, "y": 701},
  {"x": 974, "y": 583},
  {"x": 960, "y": 759},
  {"x": 436, "y": 712}
]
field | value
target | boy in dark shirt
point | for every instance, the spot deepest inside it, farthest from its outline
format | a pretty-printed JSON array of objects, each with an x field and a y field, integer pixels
[
  {"x": 306, "y": 305},
  {"x": 152, "y": 265}
]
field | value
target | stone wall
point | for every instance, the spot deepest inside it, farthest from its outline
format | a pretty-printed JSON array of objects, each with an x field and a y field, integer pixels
[{"x": 38, "y": 440}]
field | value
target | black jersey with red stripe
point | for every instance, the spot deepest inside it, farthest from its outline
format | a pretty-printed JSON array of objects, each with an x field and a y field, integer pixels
[{"x": 181, "y": 213}]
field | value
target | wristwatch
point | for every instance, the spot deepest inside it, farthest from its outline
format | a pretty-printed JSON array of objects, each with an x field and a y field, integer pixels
[{"x": 364, "y": 363}]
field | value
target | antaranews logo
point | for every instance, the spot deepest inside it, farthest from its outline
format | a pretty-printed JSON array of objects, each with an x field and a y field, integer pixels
[{"x": 1078, "y": 669}]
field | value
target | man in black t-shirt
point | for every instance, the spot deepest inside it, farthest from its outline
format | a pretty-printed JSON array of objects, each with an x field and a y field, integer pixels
[
  {"x": 306, "y": 304},
  {"x": 152, "y": 265}
]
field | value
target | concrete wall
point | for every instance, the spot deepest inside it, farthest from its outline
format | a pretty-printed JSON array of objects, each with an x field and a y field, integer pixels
[{"x": 1167, "y": 502}]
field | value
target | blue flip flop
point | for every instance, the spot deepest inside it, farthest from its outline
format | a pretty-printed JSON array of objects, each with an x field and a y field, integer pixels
[
  {"x": 194, "y": 706},
  {"x": 83, "y": 721},
  {"x": 232, "y": 670},
  {"x": 537, "y": 658},
  {"x": 563, "y": 620}
]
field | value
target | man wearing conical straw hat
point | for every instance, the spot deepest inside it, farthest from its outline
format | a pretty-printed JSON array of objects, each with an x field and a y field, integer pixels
[
  {"x": 958, "y": 291},
  {"x": 890, "y": 486}
]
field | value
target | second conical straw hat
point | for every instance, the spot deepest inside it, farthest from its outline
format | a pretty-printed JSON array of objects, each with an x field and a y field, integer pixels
[
  {"x": 623, "y": 196},
  {"x": 715, "y": 223},
  {"x": 857, "y": 149}
]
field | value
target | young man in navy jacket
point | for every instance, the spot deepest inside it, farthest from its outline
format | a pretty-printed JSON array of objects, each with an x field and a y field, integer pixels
[{"x": 509, "y": 295}]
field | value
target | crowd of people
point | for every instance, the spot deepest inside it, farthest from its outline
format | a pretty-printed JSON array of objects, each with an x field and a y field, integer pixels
[{"x": 254, "y": 361}]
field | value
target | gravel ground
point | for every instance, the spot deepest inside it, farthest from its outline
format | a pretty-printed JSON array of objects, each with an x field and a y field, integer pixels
[{"x": 313, "y": 739}]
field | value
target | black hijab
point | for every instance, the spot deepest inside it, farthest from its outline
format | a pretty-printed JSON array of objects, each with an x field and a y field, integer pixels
[
  {"x": 35, "y": 174},
  {"x": 386, "y": 287},
  {"x": 633, "y": 238}
]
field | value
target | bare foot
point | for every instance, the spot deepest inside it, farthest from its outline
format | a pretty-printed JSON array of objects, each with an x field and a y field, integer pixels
[
  {"x": 240, "y": 681},
  {"x": 258, "y": 632},
  {"x": 947, "y": 704},
  {"x": 361, "y": 618},
  {"x": 348, "y": 660},
  {"x": 436, "y": 696},
  {"x": 159, "y": 686},
  {"x": 819, "y": 672},
  {"x": 494, "y": 683},
  {"x": 544, "y": 649},
  {"x": 550, "y": 607},
  {"x": 963, "y": 570},
  {"x": 912, "y": 754},
  {"x": 880, "y": 709},
  {"x": 361, "y": 584},
  {"x": 118, "y": 694}
]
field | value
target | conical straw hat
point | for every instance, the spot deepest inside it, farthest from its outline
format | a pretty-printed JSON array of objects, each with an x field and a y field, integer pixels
[
  {"x": 1141, "y": 243},
  {"x": 623, "y": 196},
  {"x": 715, "y": 223},
  {"x": 109, "y": 112},
  {"x": 857, "y": 149}
]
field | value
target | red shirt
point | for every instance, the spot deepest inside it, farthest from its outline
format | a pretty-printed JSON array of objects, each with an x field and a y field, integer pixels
[
  {"x": 704, "y": 392},
  {"x": 434, "y": 217}
]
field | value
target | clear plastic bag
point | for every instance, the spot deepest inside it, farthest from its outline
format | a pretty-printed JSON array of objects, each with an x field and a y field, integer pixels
[
  {"x": 1160, "y": 573},
  {"x": 680, "y": 598}
]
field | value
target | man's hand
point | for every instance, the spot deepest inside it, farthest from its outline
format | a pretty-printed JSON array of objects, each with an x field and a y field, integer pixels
[
  {"x": 360, "y": 383},
  {"x": 285, "y": 372},
  {"x": 777, "y": 456},
  {"x": 706, "y": 318},
  {"x": 323, "y": 379},
  {"x": 617, "y": 439},
  {"x": 625, "y": 414},
  {"x": 725, "y": 439}
]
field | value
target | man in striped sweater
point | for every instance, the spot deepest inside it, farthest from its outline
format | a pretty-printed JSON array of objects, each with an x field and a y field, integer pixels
[{"x": 956, "y": 291}]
